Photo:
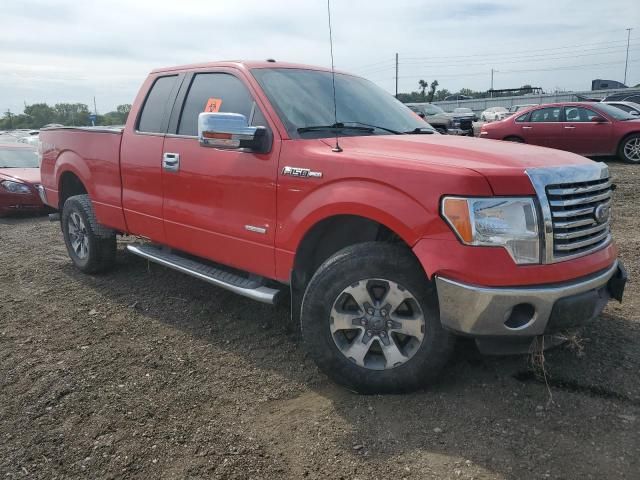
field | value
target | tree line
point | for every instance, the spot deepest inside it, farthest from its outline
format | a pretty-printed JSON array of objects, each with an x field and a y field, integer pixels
[
  {"x": 433, "y": 95},
  {"x": 38, "y": 115}
]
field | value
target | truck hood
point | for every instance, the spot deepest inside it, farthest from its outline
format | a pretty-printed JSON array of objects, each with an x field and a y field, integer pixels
[
  {"x": 502, "y": 163},
  {"x": 24, "y": 175}
]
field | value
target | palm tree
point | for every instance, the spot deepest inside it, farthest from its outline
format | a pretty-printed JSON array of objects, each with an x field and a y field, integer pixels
[{"x": 423, "y": 85}]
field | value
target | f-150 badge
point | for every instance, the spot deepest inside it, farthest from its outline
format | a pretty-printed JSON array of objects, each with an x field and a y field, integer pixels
[{"x": 300, "y": 172}]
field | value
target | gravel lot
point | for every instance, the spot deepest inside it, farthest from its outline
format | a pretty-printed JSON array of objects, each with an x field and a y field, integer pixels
[{"x": 147, "y": 373}]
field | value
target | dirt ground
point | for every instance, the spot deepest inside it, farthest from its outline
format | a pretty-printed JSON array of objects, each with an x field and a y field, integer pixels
[{"x": 147, "y": 373}]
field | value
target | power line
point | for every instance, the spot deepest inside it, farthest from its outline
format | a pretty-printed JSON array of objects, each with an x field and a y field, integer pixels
[{"x": 381, "y": 64}]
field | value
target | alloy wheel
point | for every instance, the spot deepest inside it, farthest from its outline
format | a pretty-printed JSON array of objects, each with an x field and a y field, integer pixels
[
  {"x": 377, "y": 324},
  {"x": 78, "y": 235}
]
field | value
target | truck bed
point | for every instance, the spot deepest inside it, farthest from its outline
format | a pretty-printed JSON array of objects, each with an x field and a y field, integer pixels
[{"x": 92, "y": 153}]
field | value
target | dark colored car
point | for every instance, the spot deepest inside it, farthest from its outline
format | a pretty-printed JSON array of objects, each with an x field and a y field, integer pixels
[
  {"x": 631, "y": 96},
  {"x": 443, "y": 122},
  {"x": 590, "y": 129},
  {"x": 19, "y": 179},
  {"x": 457, "y": 96}
]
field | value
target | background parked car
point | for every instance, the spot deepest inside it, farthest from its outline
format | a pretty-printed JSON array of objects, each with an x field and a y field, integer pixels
[
  {"x": 590, "y": 129},
  {"x": 492, "y": 114},
  {"x": 629, "y": 107},
  {"x": 457, "y": 97},
  {"x": 518, "y": 108},
  {"x": 19, "y": 178},
  {"x": 443, "y": 122},
  {"x": 631, "y": 96},
  {"x": 464, "y": 112}
]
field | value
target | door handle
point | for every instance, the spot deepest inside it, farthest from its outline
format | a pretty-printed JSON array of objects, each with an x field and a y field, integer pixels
[
  {"x": 171, "y": 162},
  {"x": 527, "y": 128},
  {"x": 569, "y": 127}
]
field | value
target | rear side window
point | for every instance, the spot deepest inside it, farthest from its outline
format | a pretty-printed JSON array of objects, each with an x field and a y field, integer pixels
[
  {"x": 551, "y": 114},
  {"x": 221, "y": 91},
  {"x": 156, "y": 109}
]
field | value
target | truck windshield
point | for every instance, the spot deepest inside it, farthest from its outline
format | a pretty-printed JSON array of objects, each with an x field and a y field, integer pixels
[{"x": 304, "y": 102}]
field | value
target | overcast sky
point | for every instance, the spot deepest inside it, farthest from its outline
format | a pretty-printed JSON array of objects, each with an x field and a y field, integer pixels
[{"x": 70, "y": 51}]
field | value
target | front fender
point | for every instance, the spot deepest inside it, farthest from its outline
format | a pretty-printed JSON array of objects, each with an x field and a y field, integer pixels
[{"x": 376, "y": 201}]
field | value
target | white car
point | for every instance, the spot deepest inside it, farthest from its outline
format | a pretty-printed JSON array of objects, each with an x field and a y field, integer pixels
[
  {"x": 494, "y": 113},
  {"x": 631, "y": 108}
]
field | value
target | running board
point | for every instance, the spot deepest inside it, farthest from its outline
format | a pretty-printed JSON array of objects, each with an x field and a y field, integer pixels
[{"x": 247, "y": 287}]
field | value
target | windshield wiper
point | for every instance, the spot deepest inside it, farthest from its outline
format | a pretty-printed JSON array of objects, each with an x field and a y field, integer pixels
[
  {"x": 335, "y": 126},
  {"x": 395, "y": 132},
  {"x": 421, "y": 130}
]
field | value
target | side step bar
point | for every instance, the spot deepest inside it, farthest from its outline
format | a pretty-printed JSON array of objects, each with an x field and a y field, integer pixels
[{"x": 247, "y": 287}]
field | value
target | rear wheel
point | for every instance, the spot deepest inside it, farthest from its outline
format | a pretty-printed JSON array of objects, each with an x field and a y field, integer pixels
[
  {"x": 370, "y": 320},
  {"x": 91, "y": 247},
  {"x": 514, "y": 139},
  {"x": 629, "y": 149}
]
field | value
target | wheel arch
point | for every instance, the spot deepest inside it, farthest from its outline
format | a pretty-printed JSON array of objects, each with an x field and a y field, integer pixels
[
  {"x": 624, "y": 139},
  {"x": 73, "y": 176}
]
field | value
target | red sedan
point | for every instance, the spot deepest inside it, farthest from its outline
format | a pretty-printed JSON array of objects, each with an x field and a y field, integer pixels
[
  {"x": 590, "y": 129},
  {"x": 19, "y": 179}
]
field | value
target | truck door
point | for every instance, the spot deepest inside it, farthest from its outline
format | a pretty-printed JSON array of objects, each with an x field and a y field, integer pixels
[
  {"x": 219, "y": 204},
  {"x": 141, "y": 156}
]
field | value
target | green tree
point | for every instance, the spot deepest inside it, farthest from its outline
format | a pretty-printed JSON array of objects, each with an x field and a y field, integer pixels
[
  {"x": 432, "y": 90},
  {"x": 423, "y": 85},
  {"x": 40, "y": 114}
]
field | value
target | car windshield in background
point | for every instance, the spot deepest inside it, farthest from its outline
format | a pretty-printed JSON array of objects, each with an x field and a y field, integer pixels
[
  {"x": 18, "y": 158},
  {"x": 304, "y": 101},
  {"x": 462, "y": 110},
  {"x": 614, "y": 112}
]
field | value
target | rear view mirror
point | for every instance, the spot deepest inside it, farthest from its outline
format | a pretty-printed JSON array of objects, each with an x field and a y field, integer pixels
[
  {"x": 230, "y": 131},
  {"x": 421, "y": 115},
  {"x": 598, "y": 119}
]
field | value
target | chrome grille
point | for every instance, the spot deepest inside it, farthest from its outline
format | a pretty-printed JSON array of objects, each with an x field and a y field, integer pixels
[{"x": 577, "y": 227}]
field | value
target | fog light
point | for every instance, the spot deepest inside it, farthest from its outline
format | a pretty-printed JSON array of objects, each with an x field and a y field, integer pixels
[{"x": 520, "y": 316}]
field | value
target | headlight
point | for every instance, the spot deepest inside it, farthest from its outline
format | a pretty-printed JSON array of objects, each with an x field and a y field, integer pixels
[
  {"x": 15, "y": 187},
  {"x": 499, "y": 221}
]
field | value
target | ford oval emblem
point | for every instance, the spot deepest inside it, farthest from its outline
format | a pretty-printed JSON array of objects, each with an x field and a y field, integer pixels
[{"x": 601, "y": 213}]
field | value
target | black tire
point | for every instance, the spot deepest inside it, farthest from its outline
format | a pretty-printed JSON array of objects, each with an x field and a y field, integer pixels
[
  {"x": 100, "y": 254},
  {"x": 370, "y": 261},
  {"x": 625, "y": 144},
  {"x": 514, "y": 139}
]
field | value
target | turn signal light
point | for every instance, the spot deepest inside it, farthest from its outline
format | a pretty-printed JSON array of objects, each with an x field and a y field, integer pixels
[{"x": 456, "y": 211}]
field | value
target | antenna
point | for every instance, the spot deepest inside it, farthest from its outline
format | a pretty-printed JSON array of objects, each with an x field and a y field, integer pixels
[{"x": 333, "y": 80}]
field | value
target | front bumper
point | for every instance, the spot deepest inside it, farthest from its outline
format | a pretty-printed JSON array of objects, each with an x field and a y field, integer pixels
[{"x": 527, "y": 311}]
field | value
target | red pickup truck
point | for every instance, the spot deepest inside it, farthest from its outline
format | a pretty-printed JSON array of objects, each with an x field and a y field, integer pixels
[{"x": 390, "y": 238}]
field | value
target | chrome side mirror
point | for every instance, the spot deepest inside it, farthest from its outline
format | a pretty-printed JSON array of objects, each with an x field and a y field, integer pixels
[{"x": 230, "y": 131}]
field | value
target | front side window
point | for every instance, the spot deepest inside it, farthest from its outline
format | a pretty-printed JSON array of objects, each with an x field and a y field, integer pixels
[
  {"x": 304, "y": 98},
  {"x": 579, "y": 114},
  {"x": 215, "y": 92},
  {"x": 551, "y": 114},
  {"x": 156, "y": 108},
  {"x": 524, "y": 117}
]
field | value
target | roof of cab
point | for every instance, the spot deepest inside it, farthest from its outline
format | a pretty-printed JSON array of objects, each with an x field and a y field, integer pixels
[{"x": 245, "y": 64}]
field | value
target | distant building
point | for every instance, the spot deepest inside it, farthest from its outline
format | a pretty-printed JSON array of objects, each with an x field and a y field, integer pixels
[{"x": 599, "y": 84}]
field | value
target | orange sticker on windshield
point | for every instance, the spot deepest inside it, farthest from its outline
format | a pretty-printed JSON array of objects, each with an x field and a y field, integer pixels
[{"x": 213, "y": 105}]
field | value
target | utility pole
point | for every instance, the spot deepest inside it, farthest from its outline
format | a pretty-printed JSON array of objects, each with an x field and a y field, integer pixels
[
  {"x": 626, "y": 62},
  {"x": 397, "y": 75},
  {"x": 95, "y": 109},
  {"x": 492, "y": 83},
  {"x": 9, "y": 116}
]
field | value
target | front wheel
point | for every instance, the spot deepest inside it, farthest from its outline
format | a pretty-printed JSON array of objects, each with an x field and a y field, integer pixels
[
  {"x": 91, "y": 247},
  {"x": 629, "y": 150},
  {"x": 370, "y": 320}
]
